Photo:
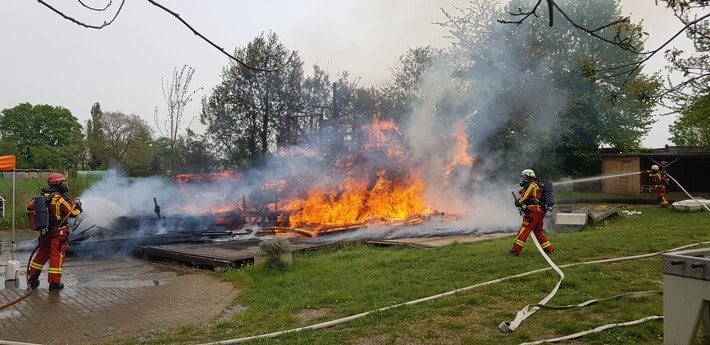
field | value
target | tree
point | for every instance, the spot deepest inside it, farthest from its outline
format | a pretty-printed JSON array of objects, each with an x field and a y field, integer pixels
[
  {"x": 95, "y": 139},
  {"x": 532, "y": 104},
  {"x": 42, "y": 136},
  {"x": 177, "y": 96},
  {"x": 128, "y": 142},
  {"x": 398, "y": 97},
  {"x": 247, "y": 111},
  {"x": 192, "y": 154},
  {"x": 692, "y": 128},
  {"x": 694, "y": 67},
  {"x": 197, "y": 155},
  {"x": 691, "y": 13}
]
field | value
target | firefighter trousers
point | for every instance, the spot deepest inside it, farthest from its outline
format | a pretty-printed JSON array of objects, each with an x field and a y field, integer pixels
[
  {"x": 52, "y": 247},
  {"x": 661, "y": 195},
  {"x": 532, "y": 222}
]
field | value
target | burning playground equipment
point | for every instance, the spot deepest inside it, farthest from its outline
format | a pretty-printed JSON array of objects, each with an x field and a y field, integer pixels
[{"x": 378, "y": 183}]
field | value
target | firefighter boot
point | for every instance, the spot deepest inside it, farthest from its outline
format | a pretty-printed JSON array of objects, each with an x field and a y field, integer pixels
[
  {"x": 56, "y": 286},
  {"x": 33, "y": 282}
]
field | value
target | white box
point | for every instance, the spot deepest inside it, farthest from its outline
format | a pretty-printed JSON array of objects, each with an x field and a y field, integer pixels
[{"x": 571, "y": 219}]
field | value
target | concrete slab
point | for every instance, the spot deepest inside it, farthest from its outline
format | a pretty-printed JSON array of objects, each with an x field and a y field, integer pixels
[
  {"x": 598, "y": 213},
  {"x": 577, "y": 219}
]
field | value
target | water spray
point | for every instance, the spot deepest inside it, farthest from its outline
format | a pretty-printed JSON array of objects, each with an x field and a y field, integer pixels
[{"x": 597, "y": 178}]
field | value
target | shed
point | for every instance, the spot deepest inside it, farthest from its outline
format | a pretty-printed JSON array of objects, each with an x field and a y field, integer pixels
[{"x": 688, "y": 165}]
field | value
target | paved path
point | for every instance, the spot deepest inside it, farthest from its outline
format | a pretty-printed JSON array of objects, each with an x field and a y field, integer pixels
[{"x": 106, "y": 299}]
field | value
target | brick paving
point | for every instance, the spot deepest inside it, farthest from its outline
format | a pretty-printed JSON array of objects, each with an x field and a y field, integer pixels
[{"x": 105, "y": 300}]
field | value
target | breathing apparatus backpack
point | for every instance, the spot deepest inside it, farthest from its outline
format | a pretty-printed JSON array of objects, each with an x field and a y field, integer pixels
[
  {"x": 39, "y": 217},
  {"x": 548, "y": 194}
]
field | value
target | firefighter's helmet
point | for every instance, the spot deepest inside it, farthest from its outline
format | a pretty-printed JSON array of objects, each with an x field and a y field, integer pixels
[
  {"x": 525, "y": 176},
  {"x": 55, "y": 179},
  {"x": 655, "y": 167},
  {"x": 58, "y": 180},
  {"x": 528, "y": 173}
]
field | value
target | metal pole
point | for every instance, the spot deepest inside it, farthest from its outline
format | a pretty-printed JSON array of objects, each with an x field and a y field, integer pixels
[{"x": 13, "y": 214}]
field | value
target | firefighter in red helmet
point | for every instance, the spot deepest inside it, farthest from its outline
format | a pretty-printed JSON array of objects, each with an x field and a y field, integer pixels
[
  {"x": 53, "y": 242},
  {"x": 660, "y": 180},
  {"x": 530, "y": 202}
]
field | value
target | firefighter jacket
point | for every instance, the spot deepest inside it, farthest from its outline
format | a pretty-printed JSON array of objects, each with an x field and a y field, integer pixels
[
  {"x": 659, "y": 178},
  {"x": 59, "y": 209},
  {"x": 531, "y": 197}
]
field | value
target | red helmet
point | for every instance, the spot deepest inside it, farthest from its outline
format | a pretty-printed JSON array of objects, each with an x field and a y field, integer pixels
[{"x": 55, "y": 179}]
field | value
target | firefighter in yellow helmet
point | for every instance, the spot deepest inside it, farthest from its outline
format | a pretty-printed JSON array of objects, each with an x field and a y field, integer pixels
[
  {"x": 530, "y": 202},
  {"x": 660, "y": 180},
  {"x": 53, "y": 242}
]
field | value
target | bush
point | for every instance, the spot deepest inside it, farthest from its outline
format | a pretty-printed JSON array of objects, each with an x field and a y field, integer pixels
[{"x": 272, "y": 249}]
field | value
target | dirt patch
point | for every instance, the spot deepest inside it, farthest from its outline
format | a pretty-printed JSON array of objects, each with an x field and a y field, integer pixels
[
  {"x": 305, "y": 315},
  {"x": 227, "y": 313}
]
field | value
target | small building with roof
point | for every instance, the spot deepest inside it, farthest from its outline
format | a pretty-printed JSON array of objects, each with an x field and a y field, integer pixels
[{"x": 688, "y": 166}]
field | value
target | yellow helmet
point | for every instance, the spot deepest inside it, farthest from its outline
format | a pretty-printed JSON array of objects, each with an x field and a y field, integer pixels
[{"x": 655, "y": 167}]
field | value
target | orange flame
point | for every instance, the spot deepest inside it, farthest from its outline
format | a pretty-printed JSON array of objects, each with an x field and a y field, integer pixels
[
  {"x": 461, "y": 156},
  {"x": 394, "y": 196}
]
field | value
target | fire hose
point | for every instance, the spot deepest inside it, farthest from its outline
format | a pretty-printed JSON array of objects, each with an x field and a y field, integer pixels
[
  {"x": 688, "y": 194},
  {"x": 490, "y": 282}
]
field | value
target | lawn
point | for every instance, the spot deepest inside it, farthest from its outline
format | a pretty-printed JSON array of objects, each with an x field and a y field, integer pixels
[{"x": 350, "y": 279}]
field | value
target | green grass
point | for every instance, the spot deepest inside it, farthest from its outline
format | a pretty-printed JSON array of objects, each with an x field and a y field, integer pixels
[{"x": 348, "y": 279}]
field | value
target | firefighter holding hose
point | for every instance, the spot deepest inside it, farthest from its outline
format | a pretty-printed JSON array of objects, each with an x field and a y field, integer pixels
[
  {"x": 53, "y": 240},
  {"x": 660, "y": 180},
  {"x": 533, "y": 210}
]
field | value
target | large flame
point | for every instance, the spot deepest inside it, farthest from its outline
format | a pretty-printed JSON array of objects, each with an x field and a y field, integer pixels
[{"x": 391, "y": 193}]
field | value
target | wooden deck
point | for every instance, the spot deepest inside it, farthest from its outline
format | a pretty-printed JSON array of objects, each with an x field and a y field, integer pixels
[{"x": 209, "y": 255}]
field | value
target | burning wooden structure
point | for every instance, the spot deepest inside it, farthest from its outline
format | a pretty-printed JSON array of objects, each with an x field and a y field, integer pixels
[{"x": 378, "y": 182}]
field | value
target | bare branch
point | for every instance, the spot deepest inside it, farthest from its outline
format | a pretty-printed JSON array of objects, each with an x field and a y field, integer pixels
[
  {"x": 77, "y": 22},
  {"x": 154, "y": 3},
  {"x": 525, "y": 15},
  {"x": 218, "y": 47},
  {"x": 96, "y": 8}
]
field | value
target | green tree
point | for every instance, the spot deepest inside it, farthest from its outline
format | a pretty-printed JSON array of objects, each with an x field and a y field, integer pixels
[
  {"x": 687, "y": 90},
  {"x": 248, "y": 110},
  {"x": 303, "y": 118},
  {"x": 398, "y": 98},
  {"x": 692, "y": 128},
  {"x": 128, "y": 143},
  {"x": 42, "y": 136},
  {"x": 196, "y": 154},
  {"x": 192, "y": 153},
  {"x": 95, "y": 139},
  {"x": 532, "y": 103}
]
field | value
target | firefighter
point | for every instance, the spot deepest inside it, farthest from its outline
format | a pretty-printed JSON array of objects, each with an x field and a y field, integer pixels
[
  {"x": 53, "y": 242},
  {"x": 533, "y": 210},
  {"x": 660, "y": 180}
]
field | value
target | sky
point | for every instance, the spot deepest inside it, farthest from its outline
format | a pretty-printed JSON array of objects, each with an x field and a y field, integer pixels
[{"x": 47, "y": 59}]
